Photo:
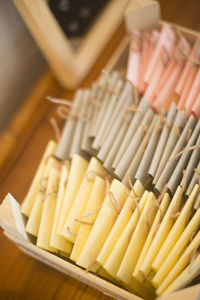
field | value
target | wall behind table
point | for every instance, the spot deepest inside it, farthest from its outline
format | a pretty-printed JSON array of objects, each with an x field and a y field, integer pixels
[{"x": 20, "y": 62}]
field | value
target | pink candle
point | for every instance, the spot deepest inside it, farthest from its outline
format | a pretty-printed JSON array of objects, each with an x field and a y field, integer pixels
[
  {"x": 165, "y": 77},
  {"x": 188, "y": 68},
  {"x": 186, "y": 89},
  {"x": 134, "y": 58},
  {"x": 166, "y": 40},
  {"x": 196, "y": 107},
  {"x": 163, "y": 100},
  {"x": 144, "y": 60},
  {"x": 195, "y": 90}
]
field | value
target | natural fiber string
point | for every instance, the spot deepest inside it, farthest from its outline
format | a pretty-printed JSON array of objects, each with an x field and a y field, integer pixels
[
  {"x": 94, "y": 174},
  {"x": 42, "y": 186},
  {"x": 55, "y": 128},
  {"x": 111, "y": 88},
  {"x": 70, "y": 232},
  {"x": 83, "y": 222},
  {"x": 144, "y": 127},
  {"x": 183, "y": 151},
  {"x": 92, "y": 212},
  {"x": 49, "y": 194},
  {"x": 165, "y": 56},
  {"x": 194, "y": 254},
  {"x": 131, "y": 109},
  {"x": 189, "y": 135},
  {"x": 134, "y": 197},
  {"x": 177, "y": 211},
  {"x": 194, "y": 61}
]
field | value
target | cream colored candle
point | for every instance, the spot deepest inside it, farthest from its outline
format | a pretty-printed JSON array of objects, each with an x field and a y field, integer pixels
[
  {"x": 176, "y": 231},
  {"x": 121, "y": 222},
  {"x": 57, "y": 241},
  {"x": 71, "y": 225},
  {"x": 95, "y": 201},
  {"x": 178, "y": 248},
  {"x": 114, "y": 260},
  {"x": 33, "y": 223},
  {"x": 107, "y": 216},
  {"x": 35, "y": 185},
  {"x": 48, "y": 212},
  {"x": 162, "y": 232},
  {"x": 139, "y": 236},
  {"x": 182, "y": 262},
  {"x": 76, "y": 174}
]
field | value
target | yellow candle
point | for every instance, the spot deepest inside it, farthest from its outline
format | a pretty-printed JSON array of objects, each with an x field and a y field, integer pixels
[
  {"x": 121, "y": 222},
  {"x": 114, "y": 260},
  {"x": 137, "y": 241},
  {"x": 33, "y": 223},
  {"x": 137, "y": 274},
  {"x": 94, "y": 204},
  {"x": 58, "y": 241},
  {"x": 35, "y": 185},
  {"x": 186, "y": 276},
  {"x": 48, "y": 212},
  {"x": 162, "y": 232},
  {"x": 177, "y": 249},
  {"x": 71, "y": 226},
  {"x": 176, "y": 231},
  {"x": 103, "y": 224},
  {"x": 180, "y": 264},
  {"x": 77, "y": 172}
]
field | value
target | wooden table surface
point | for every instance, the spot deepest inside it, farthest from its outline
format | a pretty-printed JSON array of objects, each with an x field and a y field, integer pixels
[{"x": 22, "y": 277}]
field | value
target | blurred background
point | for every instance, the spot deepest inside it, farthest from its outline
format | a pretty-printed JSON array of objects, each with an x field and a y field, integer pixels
[{"x": 21, "y": 62}]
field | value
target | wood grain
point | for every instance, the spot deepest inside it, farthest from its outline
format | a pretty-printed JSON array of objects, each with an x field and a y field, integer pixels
[{"x": 22, "y": 277}]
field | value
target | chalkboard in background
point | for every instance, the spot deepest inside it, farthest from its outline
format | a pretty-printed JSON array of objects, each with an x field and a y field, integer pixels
[{"x": 76, "y": 16}]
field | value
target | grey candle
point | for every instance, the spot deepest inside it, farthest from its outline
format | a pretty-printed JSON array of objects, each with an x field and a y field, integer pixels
[
  {"x": 128, "y": 155},
  {"x": 76, "y": 141},
  {"x": 162, "y": 141},
  {"x": 117, "y": 142},
  {"x": 113, "y": 132},
  {"x": 142, "y": 171},
  {"x": 142, "y": 108},
  {"x": 64, "y": 145},
  {"x": 127, "y": 91},
  {"x": 170, "y": 165},
  {"x": 105, "y": 101},
  {"x": 194, "y": 180},
  {"x": 139, "y": 154},
  {"x": 177, "y": 127},
  {"x": 107, "y": 114},
  {"x": 192, "y": 164},
  {"x": 182, "y": 163}
]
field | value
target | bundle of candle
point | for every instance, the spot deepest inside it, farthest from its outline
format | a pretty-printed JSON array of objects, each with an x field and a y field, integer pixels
[
  {"x": 120, "y": 193},
  {"x": 123, "y": 233},
  {"x": 164, "y": 66},
  {"x": 76, "y": 208}
]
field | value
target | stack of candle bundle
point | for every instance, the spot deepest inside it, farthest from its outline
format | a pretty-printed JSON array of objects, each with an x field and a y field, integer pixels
[
  {"x": 122, "y": 231},
  {"x": 164, "y": 66}
]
